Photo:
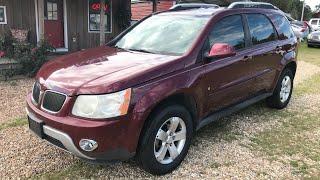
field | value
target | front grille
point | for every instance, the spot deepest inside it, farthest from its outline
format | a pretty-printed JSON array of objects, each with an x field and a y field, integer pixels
[
  {"x": 36, "y": 92},
  {"x": 53, "y": 101}
]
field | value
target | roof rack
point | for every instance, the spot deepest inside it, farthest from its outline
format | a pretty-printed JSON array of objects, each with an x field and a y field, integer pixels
[
  {"x": 250, "y": 4},
  {"x": 186, "y": 6}
]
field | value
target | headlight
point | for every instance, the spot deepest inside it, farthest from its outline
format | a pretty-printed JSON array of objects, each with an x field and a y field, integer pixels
[
  {"x": 102, "y": 106},
  {"x": 309, "y": 36}
]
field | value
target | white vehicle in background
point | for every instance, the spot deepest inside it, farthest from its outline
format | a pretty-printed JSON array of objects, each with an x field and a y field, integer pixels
[
  {"x": 301, "y": 29},
  {"x": 315, "y": 24}
]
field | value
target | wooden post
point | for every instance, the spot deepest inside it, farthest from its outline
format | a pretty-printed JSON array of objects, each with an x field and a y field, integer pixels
[
  {"x": 154, "y": 5},
  {"x": 41, "y": 19},
  {"x": 102, "y": 24}
]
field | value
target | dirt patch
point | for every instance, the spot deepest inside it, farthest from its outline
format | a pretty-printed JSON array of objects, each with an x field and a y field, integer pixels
[{"x": 305, "y": 71}]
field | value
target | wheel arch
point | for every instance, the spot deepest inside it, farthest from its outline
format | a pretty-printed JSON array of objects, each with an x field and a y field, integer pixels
[
  {"x": 292, "y": 66},
  {"x": 183, "y": 99}
]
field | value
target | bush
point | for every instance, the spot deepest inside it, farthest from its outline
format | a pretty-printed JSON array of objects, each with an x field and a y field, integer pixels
[
  {"x": 31, "y": 58},
  {"x": 6, "y": 44}
]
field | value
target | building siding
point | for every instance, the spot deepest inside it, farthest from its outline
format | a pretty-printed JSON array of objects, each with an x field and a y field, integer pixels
[
  {"x": 78, "y": 34},
  {"x": 20, "y": 15},
  {"x": 142, "y": 9}
]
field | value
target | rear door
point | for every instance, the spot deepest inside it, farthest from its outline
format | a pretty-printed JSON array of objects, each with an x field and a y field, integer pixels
[
  {"x": 267, "y": 53},
  {"x": 229, "y": 80}
]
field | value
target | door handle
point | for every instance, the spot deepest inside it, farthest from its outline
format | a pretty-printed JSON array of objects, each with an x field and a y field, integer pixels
[
  {"x": 246, "y": 58},
  {"x": 278, "y": 49}
]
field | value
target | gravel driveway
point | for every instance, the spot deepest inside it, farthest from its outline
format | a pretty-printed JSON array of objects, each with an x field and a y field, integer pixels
[{"x": 220, "y": 150}]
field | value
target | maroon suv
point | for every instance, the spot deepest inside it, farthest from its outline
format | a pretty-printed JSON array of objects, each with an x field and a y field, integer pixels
[{"x": 148, "y": 91}]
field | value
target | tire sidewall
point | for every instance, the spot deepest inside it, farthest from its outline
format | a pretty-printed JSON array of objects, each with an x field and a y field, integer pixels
[
  {"x": 147, "y": 157},
  {"x": 286, "y": 72}
]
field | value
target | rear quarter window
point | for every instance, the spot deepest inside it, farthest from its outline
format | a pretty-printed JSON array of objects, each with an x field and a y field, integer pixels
[
  {"x": 283, "y": 27},
  {"x": 261, "y": 29}
]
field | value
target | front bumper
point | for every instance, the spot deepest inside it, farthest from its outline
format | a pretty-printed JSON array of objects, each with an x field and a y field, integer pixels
[
  {"x": 313, "y": 42},
  {"x": 117, "y": 140},
  {"x": 55, "y": 137}
]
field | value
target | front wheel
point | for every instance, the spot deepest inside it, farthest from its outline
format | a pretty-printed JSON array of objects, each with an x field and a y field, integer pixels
[
  {"x": 282, "y": 94},
  {"x": 166, "y": 140}
]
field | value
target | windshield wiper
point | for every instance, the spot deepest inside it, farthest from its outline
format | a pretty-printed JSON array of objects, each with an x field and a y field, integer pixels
[
  {"x": 141, "y": 50},
  {"x": 119, "y": 48}
]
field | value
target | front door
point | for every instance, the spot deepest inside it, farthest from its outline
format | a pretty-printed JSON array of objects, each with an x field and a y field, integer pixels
[
  {"x": 53, "y": 23},
  {"x": 229, "y": 80}
]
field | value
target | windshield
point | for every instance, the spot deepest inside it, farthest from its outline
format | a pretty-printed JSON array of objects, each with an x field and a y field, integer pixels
[{"x": 163, "y": 34}]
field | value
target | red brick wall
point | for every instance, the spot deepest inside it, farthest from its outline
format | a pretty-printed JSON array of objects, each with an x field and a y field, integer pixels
[{"x": 142, "y": 9}]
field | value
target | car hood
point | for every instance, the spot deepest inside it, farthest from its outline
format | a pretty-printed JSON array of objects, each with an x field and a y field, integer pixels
[
  {"x": 317, "y": 33},
  {"x": 103, "y": 70}
]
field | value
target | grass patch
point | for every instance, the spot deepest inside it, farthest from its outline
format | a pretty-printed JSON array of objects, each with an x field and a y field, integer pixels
[
  {"x": 78, "y": 170},
  {"x": 311, "y": 55},
  {"x": 290, "y": 139},
  {"x": 309, "y": 86},
  {"x": 14, "y": 123}
]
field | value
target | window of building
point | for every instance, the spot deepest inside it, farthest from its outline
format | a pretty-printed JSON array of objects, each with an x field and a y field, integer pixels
[
  {"x": 94, "y": 15},
  {"x": 261, "y": 29},
  {"x": 228, "y": 30},
  {"x": 3, "y": 15},
  {"x": 52, "y": 10}
]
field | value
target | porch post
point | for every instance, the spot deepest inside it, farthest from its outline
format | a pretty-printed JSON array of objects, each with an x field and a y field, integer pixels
[
  {"x": 41, "y": 19},
  {"x": 154, "y": 5},
  {"x": 102, "y": 24}
]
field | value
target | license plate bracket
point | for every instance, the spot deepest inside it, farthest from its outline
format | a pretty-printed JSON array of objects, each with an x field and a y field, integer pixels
[{"x": 36, "y": 127}]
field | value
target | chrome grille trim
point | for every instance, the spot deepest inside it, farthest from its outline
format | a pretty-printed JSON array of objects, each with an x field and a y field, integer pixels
[{"x": 49, "y": 111}]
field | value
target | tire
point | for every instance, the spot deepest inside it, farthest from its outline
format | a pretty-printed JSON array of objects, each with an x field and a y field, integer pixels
[
  {"x": 282, "y": 93},
  {"x": 150, "y": 146},
  {"x": 309, "y": 45}
]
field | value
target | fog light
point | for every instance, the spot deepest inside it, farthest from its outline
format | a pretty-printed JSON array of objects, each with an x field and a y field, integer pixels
[{"x": 88, "y": 145}]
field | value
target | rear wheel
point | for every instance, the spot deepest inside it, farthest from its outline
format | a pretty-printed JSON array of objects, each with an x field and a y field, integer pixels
[
  {"x": 166, "y": 141},
  {"x": 282, "y": 94}
]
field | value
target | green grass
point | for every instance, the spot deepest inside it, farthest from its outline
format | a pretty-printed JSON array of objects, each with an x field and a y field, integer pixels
[
  {"x": 79, "y": 169},
  {"x": 311, "y": 55},
  {"x": 310, "y": 86},
  {"x": 290, "y": 139},
  {"x": 14, "y": 123}
]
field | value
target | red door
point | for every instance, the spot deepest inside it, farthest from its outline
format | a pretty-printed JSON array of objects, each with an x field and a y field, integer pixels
[{"x": 53, "y": 23}]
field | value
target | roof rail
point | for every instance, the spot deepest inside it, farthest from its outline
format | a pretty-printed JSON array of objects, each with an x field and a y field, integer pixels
[
  {"x": 250, "y": 4},
  {"x": 186, "y": 6}
]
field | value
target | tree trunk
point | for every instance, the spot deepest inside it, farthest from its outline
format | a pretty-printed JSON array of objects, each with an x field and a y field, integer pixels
[{"x": 102, "y": 23}]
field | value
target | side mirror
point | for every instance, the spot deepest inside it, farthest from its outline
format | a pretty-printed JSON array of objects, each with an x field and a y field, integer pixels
[{"x": 221, "y": 50}]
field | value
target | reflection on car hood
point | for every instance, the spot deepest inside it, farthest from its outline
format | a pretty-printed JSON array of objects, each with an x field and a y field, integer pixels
[{"x": 101, "y": 70}]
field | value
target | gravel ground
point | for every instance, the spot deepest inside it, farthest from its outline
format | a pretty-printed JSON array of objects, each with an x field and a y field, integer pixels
[
  {"x": 219, "y": 150},
  {"x": 12, "y": 102}
]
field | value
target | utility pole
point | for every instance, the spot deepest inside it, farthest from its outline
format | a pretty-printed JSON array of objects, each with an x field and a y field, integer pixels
[{"x": 302, "y": 14}]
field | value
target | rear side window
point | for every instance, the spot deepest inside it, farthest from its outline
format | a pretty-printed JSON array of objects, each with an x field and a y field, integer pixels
[
  {"x": 314, "y": 22},
  {"x": 261, "y": 29},
  {"x": 228, "y": 30},
  {"x": 284, "y": 27}
]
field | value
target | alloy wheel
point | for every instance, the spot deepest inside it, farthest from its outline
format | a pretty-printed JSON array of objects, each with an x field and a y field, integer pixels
[
  {"x": 170, "y": 140},
  {"x": 285, "y": 89}
]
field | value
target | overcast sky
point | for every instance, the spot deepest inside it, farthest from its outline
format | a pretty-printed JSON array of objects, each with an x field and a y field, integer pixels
[{"x": 312, "y": 3}]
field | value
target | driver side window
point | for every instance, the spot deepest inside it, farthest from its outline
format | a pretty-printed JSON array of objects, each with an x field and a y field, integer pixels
[{"x": 228, "y": 30}]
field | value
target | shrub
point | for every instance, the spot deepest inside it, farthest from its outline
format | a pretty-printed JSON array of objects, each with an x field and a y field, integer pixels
[
  {"x": 31, "y": 58},
  {"x": 6, "y": 44}
]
